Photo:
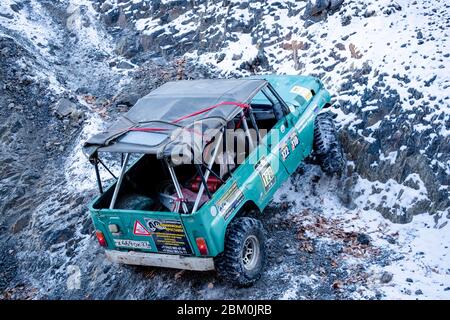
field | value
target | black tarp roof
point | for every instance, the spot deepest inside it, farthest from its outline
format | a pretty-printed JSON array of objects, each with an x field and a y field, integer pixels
[{"x": 172, "y": 110}]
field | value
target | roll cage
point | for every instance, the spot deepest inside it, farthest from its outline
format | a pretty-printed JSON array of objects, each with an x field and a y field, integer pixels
[{"x": 204, "y": 170}]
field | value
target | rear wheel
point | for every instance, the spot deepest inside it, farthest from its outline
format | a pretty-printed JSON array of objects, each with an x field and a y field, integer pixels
[
  {"x": 243, "y": 258},
  {"x": 327, "y": 149}
]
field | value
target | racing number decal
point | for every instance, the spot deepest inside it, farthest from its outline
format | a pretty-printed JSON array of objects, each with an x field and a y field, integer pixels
[
  {"x": 266, "y": 173},
  {"x": 284, "y": 151},
  {"x": 267, "y": 177},
  {"x": 294, "y": 141}
]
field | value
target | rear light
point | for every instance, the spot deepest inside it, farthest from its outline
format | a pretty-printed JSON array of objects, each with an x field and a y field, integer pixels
[
  {"x": 201, "y": 245},
  {"x": 101, "y": 238}
]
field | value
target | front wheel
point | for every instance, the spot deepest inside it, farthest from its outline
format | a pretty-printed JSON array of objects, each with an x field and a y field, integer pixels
[
  {"x": 327, "y": 149},
  {"x": 243, "y": 259}
]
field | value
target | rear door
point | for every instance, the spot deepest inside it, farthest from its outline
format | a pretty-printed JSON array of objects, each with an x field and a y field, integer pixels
[
  {"x": 161, "y": 232},
  {"x": 261, "y": 174}
]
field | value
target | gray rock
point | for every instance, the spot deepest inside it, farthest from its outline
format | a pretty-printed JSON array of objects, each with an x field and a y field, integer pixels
[
  {"x": 346, "y": 20},
  {"x": 64, "y": 107},
  {"x": 415, "y": 93},
  {"x": 111, "y": 17},
  {"x": 20, "y": 224},
  {"x": 386, "y": 277},
  {"x": 128, "y": 98},
  {"x": 4, "y": 51},
  {"x": 291, "y": 251},
  {"x": 319, "y": 7},
  {"x": 124, "y": 65},
  {"x": 221, "y": 57},
  {"x": 128, "y": 46},
  {"x": 345, "y": 191},
  {"x": 237, "y": 56},
  {"x": 335, "y": 4},
  {"x": 6, "y": 15},
  {"x": 77, "y": 115},
  {"x": 430, "y": 81},
  {"x": 316, "y": 7},
  {"x": 16, "y": 7},
  {"x": 340, "y": 46},
  {"x": 363, "y": 239},
  {"x": 106, "y": 6},
  {"x": 369, "y": 13},
  {"x": 82, "y": 90},
  {"x": 396, "y": 6}
]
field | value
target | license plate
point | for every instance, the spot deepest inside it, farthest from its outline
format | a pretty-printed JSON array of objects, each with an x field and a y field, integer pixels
[{"x": 132, "y": 244}]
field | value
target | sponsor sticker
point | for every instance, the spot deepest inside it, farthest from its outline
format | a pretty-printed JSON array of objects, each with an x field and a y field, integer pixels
[
  {"x": 154, "y": 225},
  {"x": 230, "y": 201},
  {"x": 266, "y": 173},
  {"x": 302, "y": 91},
  {"x": 169, "y": 236},
  {"x": 123, "y": 243},
  {"x": 140, "y": 230}
]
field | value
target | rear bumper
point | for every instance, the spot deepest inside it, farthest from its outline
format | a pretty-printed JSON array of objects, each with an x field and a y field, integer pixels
[{"x": 160, "y": 260}]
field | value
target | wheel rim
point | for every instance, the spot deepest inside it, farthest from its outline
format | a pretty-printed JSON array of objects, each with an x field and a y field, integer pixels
[{"x": 250, "y": 252}]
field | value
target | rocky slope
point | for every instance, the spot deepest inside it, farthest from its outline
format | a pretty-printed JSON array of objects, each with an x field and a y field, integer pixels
[{"x": 69, "y": 66}]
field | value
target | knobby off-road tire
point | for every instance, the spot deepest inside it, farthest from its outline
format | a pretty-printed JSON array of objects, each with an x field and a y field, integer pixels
[
  {"x": 327, "y": 149},
  {"x": 243, "y": 259}
]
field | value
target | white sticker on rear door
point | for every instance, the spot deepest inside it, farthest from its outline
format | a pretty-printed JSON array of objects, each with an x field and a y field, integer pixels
[{"x": 132, "y": 244}]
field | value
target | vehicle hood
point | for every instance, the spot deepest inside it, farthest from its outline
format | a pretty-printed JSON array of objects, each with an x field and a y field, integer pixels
[{"x": 284, "y": 85}]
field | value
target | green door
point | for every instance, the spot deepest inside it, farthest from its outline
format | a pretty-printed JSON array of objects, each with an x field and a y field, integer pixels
[{"x": 289, "y": 148}]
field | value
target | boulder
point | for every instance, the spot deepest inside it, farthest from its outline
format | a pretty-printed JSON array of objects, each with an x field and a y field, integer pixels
[
  {"x": 386, "y": 277},
  {"x": 127, "y": 46},
  {"x": 315, "y": 8},
  {"x": 21, "y": 224},
  {"x": 124, "y": 65},
  {"x": 64, "y": 108}
]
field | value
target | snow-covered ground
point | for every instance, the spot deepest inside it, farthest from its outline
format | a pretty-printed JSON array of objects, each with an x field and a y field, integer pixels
[{"x": 418, "y": 256}]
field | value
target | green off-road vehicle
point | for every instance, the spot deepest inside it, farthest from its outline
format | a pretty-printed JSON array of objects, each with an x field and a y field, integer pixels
[{"x": 200, "y": 160}]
